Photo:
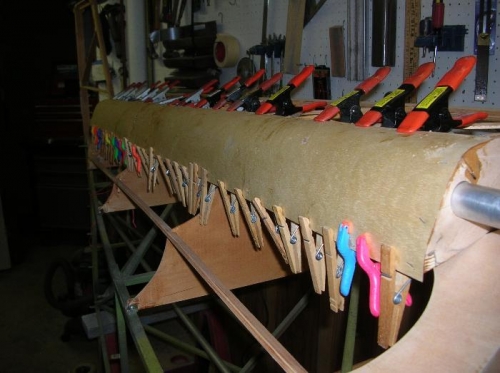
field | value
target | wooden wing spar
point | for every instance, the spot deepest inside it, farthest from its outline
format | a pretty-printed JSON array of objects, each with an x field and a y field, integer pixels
[{"x": 394, "y": 188}]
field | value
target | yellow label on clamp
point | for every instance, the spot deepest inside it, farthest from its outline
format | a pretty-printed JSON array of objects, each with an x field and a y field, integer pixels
[
  {"x": 391, "y": 96},
  {"x": 284, "y": 89},
  {"x": 431, "y": 98}
]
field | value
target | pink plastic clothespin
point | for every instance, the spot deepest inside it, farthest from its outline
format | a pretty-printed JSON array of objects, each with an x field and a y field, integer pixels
[{"x": 372, "y": 269}]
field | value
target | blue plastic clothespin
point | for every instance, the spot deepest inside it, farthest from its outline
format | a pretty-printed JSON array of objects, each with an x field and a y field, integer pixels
[
  {"x": 99, "y": 138},
  {"x": 349, "y": 256}
]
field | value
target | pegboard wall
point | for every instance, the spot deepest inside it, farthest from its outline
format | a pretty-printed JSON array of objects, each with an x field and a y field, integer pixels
[{"x": 243, "y": 20}]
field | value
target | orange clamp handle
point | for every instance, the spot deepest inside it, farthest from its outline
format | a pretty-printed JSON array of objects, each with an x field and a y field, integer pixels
[
  {"x": 300, "y": 77},
  {"x": 313, "y": 106},
  {"x": 413, "y": 121},
  {"x": 454, "y": 77},
  {"x": 231, "y": 83},
  {"x": 369, "y": 118},
  {"x": 468, "y": 119},
  {"x": 421, "y": 74},
  {"x": 264, "y": 108},
  {"x": 368, "y": 84},
  {"x": 250, "y": 81},
  {"x": 327, "y": 114},
  {"x": 271, "y": 81}
]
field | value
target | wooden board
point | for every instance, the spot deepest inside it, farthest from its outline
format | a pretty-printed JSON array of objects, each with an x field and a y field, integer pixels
[
  {"x": 118, "y": 201},
  {"x": 293, "y": 47},
  {"x": 459, "y": 329},
  {"x": 389, "y": 185},
  {"x": 233, "y": 260}
]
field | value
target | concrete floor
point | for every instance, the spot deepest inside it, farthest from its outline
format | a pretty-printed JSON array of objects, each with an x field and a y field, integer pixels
[{"x": 30, "y": 329}]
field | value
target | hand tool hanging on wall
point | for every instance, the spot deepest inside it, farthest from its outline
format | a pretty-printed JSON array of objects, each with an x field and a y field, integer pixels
[
  {"x": 391, "y": 109},
  {"x": 236, "y": 93},
  {"x": 485, "y": 21},
  {"x": 250, "y": 100},
  {"x": 348, "y": 105},
  {"x": 215, "y": 96},
  {"x": 283, "y": 95},
  {"x": 432, "y": 114}
]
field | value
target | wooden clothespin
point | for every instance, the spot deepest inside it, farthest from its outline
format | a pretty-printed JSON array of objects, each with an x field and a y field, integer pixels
[
  {"x": 193, "y": 188},
  {"x": 173, "y": 177},
  {"x": 394, "y": 296},
  {"x": 152, "y": 171},
  {"x": 271, "y": 228},
  {"x": 231, "y": 206},
  {"x": 252, "y": 219},
  {"x": 206, "y": 198},
  {"x": 130, "y": 159},
  {"x": 185, "y": 183},
  {"x": 180, "y": 183},
  {"x": 144, "y": 159},
  {"x": 165, "y": 173},
  {"x": 333, "y": 263},
  {"x": 291, "y": 240},
  {"x": 315, "y": 255}
]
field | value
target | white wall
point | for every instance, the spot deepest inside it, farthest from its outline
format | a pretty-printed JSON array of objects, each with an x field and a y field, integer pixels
[{"x": 243, "y": 20}]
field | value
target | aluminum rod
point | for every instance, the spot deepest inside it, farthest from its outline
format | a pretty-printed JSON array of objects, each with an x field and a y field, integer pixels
[
  {"x": 477, "y": 203},
  {"x": 249, "y": 321}
]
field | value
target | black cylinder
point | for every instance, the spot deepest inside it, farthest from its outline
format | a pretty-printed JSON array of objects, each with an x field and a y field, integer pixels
[{"x": 384, "y": 33}]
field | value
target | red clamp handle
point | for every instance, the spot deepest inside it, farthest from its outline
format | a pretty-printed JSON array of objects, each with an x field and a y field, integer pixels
[
  {"x": 209, "y": 86},
  {"x": 271, "y": 81},
  {"x": 420, "y": 75},
  {"x": 468, "y": 119},
  {"x": 300, "y": 77},
  {"x": 454, "y": 77},
  {"x": 369, "y": 118},
  {"x": 413, "y": 121},
  {"x": 313, "y": 106},
  {"x": 255, "y": 77},
  {"x": 370, "y": 83},
  {"x": 264, "y": 108},
  {"x": 327, "y": 114},
  {"x": 231, "y": 83}
]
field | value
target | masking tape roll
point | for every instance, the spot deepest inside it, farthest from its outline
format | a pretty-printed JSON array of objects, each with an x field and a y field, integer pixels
[{"x": 226, "y": 50}]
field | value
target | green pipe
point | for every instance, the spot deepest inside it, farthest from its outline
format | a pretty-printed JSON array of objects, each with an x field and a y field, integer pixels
[
  {"x": 186, "y": 347},
  {"x": 352, "y": 320},
  {"x": 201, "y": 340},
  {"x": 280, "y": 329}
]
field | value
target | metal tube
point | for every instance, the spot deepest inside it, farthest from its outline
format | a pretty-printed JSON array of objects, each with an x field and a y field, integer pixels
[
  {"x": 384, "y": 33},
  {"x": 477, "y": 203}
]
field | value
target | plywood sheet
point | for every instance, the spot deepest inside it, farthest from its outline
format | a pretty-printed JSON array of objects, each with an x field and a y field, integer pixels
[{"x": 234, "y": 260}]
